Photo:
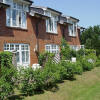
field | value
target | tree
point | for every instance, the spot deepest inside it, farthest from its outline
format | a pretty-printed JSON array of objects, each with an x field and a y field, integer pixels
[{"x": 91, "y": 38}]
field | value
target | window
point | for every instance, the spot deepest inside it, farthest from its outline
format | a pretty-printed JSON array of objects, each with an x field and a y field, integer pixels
[
  {"x": 72, "y": 29},
  {"x": 52, "y": 48},
  {"x": 22, "y": 52},
  {"x": 16, "y": 15},
  {"x": 51, "y": 23},
  {"x": 75, "y": 47}
]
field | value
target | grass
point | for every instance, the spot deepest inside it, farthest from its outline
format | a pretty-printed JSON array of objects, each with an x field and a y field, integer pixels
[{"x": 85, "y": 87}]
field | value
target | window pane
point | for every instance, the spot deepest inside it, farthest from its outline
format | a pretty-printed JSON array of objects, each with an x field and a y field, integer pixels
[
  {"x": 11, "y": 47},
  {"x": 51, "y": 25},
  {"x": 23, "y": 56},
  {"x": 17, "y": 57},
  {"x": 19, "y": 18},
  {"x": 52, "y": 48},
  {"x": 8, "y": 16},
  {"x": 70, "y": 30},
  {"x": 26, "y": 47},
  {"x": 55, "y": 26},
  {"x": 24, "y": 19},
  {"x": 6, "y": 47},
  {"x": 15, "y": 5},
  {"x": 14, "y": 19},
  {"x": 22, "y": 47},
  {"x": 19, "y": 6},
  {"x": 27, "y": 56},
  {"x": 16, "y": 47},
  {"x": 48, "y": 47}
]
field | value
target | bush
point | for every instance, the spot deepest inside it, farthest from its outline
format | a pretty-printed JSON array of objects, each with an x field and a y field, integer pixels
[
  {"x": 6, "y": 59},
  {"x": 73, "y": 68},
  {"x": 51, "y": 76},
  {"x": 92, "y": 56},
  {"x": 90, "y": 51},
  {"x": 80, "y": 53},
  {"x": 32, "y": 81},
  {"x": 69, "y": 69},
  {"x": 43, "y": 57},
  {"x": 97, "y": 64},
  {"x": 8, "y": 75},
  {"x": 73, "y": 53},
  {"x": 78, "y": 68},
  {"x": 86, "y": 65},
  {"x": 65, "y": 50},
  {"x": 7, "y": 82}
]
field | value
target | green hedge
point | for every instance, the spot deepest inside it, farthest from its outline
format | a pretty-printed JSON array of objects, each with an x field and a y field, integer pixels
[
  {"x": 32, "y": 81},
  {"x": 8, "y": 75},
  {"x": 97, "y": 64},
  {"x": 7, "y": 82},
  {"x": 90, "y": 51},
  {"x": 5, "y": 59}
]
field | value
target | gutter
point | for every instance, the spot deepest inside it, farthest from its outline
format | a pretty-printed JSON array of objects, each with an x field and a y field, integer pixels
[{"x": 4, "y": 5}]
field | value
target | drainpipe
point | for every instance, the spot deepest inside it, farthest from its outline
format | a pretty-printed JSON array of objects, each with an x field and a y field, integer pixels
[{"x": 37, "y": 35}]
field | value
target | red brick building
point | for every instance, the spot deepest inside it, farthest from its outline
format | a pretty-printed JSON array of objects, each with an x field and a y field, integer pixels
[{"x": 29, "y": 29}]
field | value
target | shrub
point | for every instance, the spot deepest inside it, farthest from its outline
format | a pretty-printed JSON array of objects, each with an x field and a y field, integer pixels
[
  {"x": 86, "y": 65},
  {"x": 43, "y": 57},
  {"x": 92, "y": 56},
  {"x": 62, "y": 71},
  {"x": 65, "y": 50},
  {"x": 97, "y": 64},
  {"x": 7, "y": 82},
  {"x": 90, "y": 51},
  {"x": 32, "y": 81},
  {"x": 8, "y": 75},
  {"x": 51, "y": 76},
  {"x": 73, "y": 53},
  {"x": 78, "y": 68},
  {"x": 80, "y": 53},
  {"x": 6, "y": 59},
  {"x": 72, "y": 68},
  {"x": 69, "y": 69}
]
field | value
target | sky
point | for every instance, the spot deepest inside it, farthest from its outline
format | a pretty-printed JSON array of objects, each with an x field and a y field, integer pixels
[{"x": 87, "y": 11}]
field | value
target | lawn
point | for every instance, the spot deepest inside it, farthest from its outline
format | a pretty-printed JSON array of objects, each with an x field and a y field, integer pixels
[{"x": 85, "y": 87}]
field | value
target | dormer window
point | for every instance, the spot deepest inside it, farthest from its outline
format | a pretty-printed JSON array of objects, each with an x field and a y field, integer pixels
[
  {"x": 16, "y": 15},
  {"x": 51, "y": 22},
  {"x": 72, "y": 29}
]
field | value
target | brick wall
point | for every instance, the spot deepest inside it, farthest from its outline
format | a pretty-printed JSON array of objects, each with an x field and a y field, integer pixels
[{"x": 15, "y": 35}]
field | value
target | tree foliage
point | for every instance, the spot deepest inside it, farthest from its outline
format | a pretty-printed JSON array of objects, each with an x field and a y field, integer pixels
[{"x": 91, "y": 38}]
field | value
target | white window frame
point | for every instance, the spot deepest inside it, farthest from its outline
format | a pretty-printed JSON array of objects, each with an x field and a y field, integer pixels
[
  {"x": 76, "y": 47},
  {"x": 72, "y": 29},
  {"x": 9, "y": 14},
  {"x": 52, "y": 48},
  {"x": 51, "y": 22},
  {"x": 11, "y": 47}
]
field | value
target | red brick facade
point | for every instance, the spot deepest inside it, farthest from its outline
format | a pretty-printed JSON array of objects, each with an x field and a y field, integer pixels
[{"x": 29, "y": 36}]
